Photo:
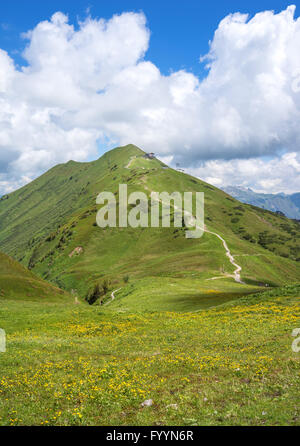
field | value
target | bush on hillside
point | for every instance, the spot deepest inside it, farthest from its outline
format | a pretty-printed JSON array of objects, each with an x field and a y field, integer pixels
[
  {"x": 97, "y": 292},
  {"x": 94, "y": 294},
  {"x": 105, "y": 285}
]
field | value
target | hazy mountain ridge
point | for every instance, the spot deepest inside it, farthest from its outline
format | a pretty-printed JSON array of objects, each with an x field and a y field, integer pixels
[{"x": 289, "y": 205}]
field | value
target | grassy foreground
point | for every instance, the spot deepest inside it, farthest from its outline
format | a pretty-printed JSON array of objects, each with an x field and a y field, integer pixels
[{"x": 70, "y": 364}]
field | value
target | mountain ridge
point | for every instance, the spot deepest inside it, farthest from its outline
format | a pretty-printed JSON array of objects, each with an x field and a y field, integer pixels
[
  {"x": 44, "y": 222},
  {"x": 288, "y": 204}
]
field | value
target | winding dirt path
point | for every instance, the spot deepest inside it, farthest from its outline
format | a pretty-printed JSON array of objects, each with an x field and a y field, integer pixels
[
  {"x": 112, "y": 296},
  {"x": 130, "y": 161},
  {"x": 237, "y": 272}
]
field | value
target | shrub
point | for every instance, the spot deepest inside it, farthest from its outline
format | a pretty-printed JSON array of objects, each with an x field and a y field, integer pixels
[
  {"x": 105, "y": 285},
  {"x": 51, "y": 237},
  {"x": 94, "y": 294}
]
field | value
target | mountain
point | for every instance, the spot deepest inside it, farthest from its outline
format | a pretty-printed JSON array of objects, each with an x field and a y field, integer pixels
[
  {"x": 16, "y": 282},
  {"x": 50, "y": 226},
  {"x": 289, "y": 205},
  {"x": 296, "y": 200}
]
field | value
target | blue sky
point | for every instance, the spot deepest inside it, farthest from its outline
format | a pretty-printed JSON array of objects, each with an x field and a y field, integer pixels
[
  {"x": 180, "y": 30},
  {"x": 85, "y": 80}
]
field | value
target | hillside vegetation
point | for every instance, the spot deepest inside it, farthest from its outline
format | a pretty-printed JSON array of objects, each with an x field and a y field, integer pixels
[
  {"x": 174, "y": 325},
  {"x": 50, "y": 226},
  {"x": 16, "y": 282}
]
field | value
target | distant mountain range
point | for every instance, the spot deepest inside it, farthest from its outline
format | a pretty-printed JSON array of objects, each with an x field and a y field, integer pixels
[{"x": 289, "y": 205}]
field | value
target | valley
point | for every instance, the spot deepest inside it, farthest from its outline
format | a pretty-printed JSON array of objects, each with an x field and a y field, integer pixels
[{"x": 203, "y": 327}]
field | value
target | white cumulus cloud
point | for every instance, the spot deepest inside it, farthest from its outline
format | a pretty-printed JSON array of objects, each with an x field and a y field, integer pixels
[
  {"x": 93, "y": 84},
  {"x": 279, "y": 174}
]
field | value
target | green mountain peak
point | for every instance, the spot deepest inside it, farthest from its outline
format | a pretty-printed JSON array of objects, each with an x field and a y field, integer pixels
[{"x": 50, "y": 226}]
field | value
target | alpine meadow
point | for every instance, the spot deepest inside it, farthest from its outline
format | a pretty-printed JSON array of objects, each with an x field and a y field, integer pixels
[
  {"x": 135, "y": 291},
  {"x": 169, "y": 322}
]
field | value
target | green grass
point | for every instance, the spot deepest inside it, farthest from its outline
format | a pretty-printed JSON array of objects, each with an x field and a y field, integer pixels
[
  {"x": 176, "y": 294},
  {"x": 16, "y": 282},
  {"x": 70, "y": 364}
]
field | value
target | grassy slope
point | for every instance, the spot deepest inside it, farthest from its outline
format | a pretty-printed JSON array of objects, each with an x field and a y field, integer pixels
[
  {"x": 175, "y": 294},
  {"x": 42, "y": 223},
  {"x": 16, "y": 282},
  {"x": 32, "y": 212},
  {"x": 232, "y": 365}
]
